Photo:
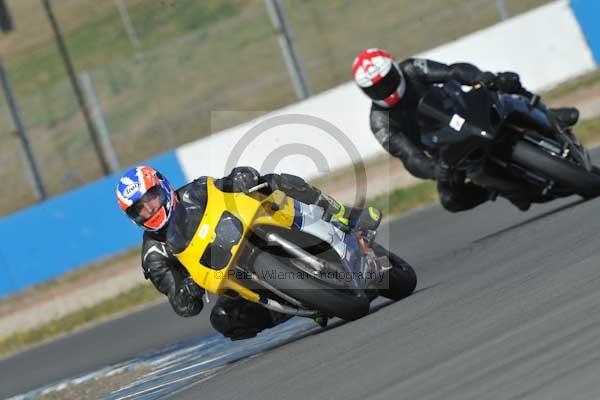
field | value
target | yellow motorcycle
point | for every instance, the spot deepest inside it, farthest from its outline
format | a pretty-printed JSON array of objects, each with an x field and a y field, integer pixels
[{"x": 273, "y": 250}]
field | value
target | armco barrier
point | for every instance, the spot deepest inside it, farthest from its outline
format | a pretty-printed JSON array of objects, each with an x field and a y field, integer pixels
[
  {"x": 70, "y": 230},
  {"x": 546, "y": 46}
]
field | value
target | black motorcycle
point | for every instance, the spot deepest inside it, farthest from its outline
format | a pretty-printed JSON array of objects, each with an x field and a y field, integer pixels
[{"x": 506, "y": 144}]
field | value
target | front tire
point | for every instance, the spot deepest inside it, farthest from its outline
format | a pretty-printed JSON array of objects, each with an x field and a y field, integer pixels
[
  {"x": 347, "y": 304},
  {"x": 402, "y": 277},
  {"x": 582, "y": 182}
]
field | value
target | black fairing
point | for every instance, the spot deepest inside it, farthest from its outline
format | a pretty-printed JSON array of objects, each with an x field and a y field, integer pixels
[
  {"x": 452, "y": 116},
  {"x": 476, "y": 132}
]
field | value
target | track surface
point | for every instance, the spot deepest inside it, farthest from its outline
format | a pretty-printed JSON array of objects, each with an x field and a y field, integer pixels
[
  {"x": 506, "y": 307},
  {"x": 109, "y": 343},
  {"x": 512, "y": 314}
]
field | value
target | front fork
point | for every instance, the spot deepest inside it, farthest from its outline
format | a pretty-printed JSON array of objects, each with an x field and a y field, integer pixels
[{"x": 537, "y": 115}]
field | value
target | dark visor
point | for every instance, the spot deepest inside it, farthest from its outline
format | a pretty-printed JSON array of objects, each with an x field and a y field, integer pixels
[
  {"x": 385, "y": 87},
  {"x": 134, "y": 210}
]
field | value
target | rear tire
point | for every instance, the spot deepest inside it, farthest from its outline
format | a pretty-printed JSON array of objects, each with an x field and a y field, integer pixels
[
  {"x": 402, "y": 277},
  {"x": 314, "y": 293},
  {"x": 584, "y": 183}
]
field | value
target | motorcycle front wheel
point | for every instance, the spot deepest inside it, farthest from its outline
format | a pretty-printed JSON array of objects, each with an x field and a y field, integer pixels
[
  {"x": 402, "y": 277},
  {"x": 314, "y": 293},
  {"x": 564, "y": 172}
]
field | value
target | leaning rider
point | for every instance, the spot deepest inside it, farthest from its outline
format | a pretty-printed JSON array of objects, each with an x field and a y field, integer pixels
[
  {"x": 148, "y": 199},
  {"x": 396, "y": 88}
]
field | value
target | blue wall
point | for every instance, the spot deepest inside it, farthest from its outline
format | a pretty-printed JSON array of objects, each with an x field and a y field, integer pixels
[
  {"x": 588, "y": 15},
  {"x": 70, "y": 230}
]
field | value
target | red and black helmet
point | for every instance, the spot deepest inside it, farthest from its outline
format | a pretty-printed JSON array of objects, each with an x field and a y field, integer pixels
[{"x": 377, "y": 73}]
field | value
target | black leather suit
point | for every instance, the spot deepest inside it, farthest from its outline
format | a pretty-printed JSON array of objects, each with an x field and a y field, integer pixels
[{"x": 398, "y": 128}]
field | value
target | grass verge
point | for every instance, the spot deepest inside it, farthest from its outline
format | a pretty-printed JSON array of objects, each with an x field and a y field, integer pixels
[
  {"x": 588, "y": 131},
  {"x": 142, "y": 294},
  {"x": 570, "y": 87},
  {"x": 95, "y": 271},
  {"x": 396, "y": 202},
  {"x": 406, "y": 199}
]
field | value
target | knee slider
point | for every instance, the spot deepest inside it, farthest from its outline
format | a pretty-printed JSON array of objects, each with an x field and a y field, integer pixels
[
  {"x": 449, "y": 202},
  {"x": 239, "y": 321},
  {"x": 220, "y": 319}
]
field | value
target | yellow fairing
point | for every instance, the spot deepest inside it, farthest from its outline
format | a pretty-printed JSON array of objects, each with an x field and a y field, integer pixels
[{"x": 275, "y": 209}]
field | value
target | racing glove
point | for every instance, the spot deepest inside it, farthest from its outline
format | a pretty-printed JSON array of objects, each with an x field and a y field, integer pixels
[
  {"x": 508, "y": 82},
  {"x": 191, "y": 288},
  {"x": 442, "y": 172},
  {"x": 186, "y": 300},
  {"x": 488, "y": 80},
  {"x": 244, "y": 178}
]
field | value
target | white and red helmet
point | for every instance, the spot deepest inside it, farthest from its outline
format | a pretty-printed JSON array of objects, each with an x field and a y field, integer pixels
[{"x": 377, "y": 73}]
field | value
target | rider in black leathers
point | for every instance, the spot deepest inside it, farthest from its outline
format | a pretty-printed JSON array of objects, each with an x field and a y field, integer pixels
[
  {"x": 396, "y": 89},
  {"x": 234, "y": 318}
]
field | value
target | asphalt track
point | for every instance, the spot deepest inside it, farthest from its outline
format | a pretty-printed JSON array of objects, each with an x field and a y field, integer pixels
[{"x": 506, "y": 307}]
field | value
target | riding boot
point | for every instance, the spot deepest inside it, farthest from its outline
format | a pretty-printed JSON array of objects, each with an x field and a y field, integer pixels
[
  {"x": 349, "y": 218},
  {"x": 566, "y": 116},
  {"x": 240, "y": 319},
  {"x": 463, "y": 196},
  {"x": 344, "y": 218}
]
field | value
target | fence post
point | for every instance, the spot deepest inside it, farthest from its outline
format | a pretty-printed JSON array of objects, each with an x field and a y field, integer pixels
[
  {"x": 127, "y": 24},
  {"x": 32, "y": 169},
  {"x": 501, "y": 5},
  {"x": 105, "y": 143},
  {"x": 292, "y": 61},
  {"x": 62, "y": 49}
]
